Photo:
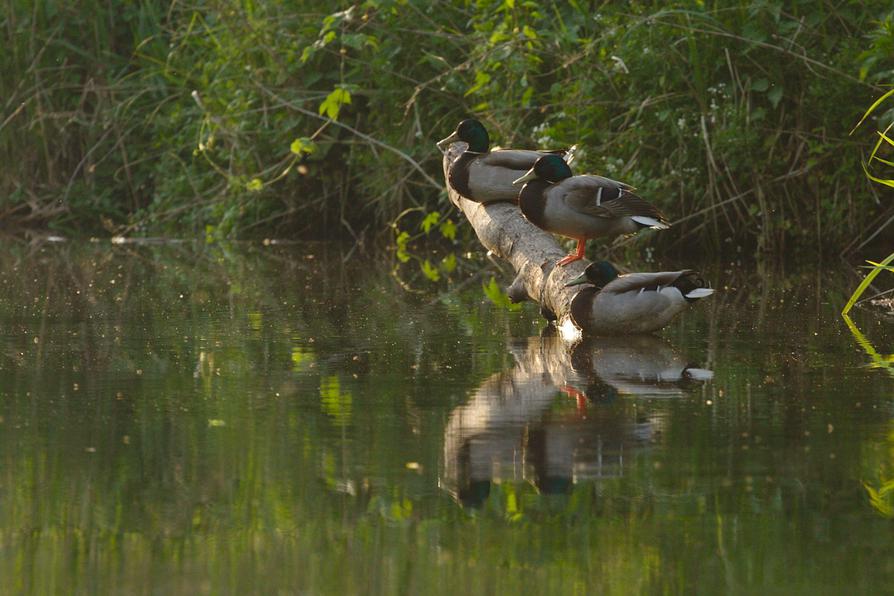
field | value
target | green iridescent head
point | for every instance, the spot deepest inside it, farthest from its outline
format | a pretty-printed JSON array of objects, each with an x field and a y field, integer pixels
[
  {"x": 470, "y": 131},
  {"x": 599, "y": 274},
  {"x": 551, "y": 168}
]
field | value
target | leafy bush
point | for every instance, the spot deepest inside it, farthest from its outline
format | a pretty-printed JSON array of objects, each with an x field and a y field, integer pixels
[{"x": 234, "y": 118}]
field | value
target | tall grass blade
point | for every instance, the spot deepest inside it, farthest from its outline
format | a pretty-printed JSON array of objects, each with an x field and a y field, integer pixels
[
  {"x": 882, "y": 137},
  {"x": 878, "y": 268},
  {"x": 877, "y": 103},
  {"x": 885, "y": 181}
]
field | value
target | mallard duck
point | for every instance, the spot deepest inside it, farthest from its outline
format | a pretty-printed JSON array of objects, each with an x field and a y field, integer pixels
[
  {"x": 635, "y": 302},
  {"x": 486, "y": 176},
  {"x": 582, "y": 207}
]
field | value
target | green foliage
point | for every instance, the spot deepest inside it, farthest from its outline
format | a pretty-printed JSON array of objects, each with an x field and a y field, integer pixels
[
  {"x": 264, "y": 118},
  {"x": 334, "y": 101},
  {"x": 496, "y": 295}
]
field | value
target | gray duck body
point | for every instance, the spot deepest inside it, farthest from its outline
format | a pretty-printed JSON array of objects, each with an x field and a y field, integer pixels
[
  {"x": 588, "y": 206},
  {"x": 642, "y": 302},
  {"x": 486, "y": 176},
  {"x": 489, "y": 177}
]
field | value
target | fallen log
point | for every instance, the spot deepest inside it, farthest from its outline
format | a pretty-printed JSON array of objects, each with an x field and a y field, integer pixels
[{"x": 532, "y": 252}]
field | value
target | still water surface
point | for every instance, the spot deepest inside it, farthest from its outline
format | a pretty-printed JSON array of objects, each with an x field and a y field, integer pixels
[{"x": 190, "y": 419}]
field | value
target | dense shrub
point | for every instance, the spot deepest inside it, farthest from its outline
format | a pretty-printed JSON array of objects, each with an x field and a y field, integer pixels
[{"x": 248, "y": 118}]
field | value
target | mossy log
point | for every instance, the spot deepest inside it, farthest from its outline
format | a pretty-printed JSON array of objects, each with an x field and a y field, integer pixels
[{"x": 533, "y": 254}]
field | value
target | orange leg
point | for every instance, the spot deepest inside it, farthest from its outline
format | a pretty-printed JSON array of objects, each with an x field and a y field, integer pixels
[
  {"x": 581, "y": 246},
  {"x": 579, "y": 397}
]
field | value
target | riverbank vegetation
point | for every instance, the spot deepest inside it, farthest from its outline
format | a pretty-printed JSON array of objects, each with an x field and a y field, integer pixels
[{"x": 241, "y": 119}]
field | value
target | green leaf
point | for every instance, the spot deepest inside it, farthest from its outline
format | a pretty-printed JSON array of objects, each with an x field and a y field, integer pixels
[
  {"x": 883, "y": 136},
  {"x": 448, "y": 229},
  {"x": 334, "y": 101},
  {"x": 430, "y": 220},
  {"x": 885, "y": 181},
  {"x": 875, "y": 104},
  {"x": 760, "y": 85},
  {"x": 879, "y": 267},
  {"x": 526, "y": 96},
  {"x": 774, "y": 95},
  {"x": 498, "y": 36},
  {"x": 496, "y": 295},
  {"x": 481, "y": 79},
  {"x": 307, "y": 53},
  {"x": 430, "y": 271},
  {"x": 302, "y": 146},
  {"x": 448, "y": 263},
  {"x": 254, "y": 185},
  {"x": 402, "y": 239}
]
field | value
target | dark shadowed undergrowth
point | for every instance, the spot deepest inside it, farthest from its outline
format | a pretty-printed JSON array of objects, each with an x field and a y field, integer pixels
[{"x": 241, "y": 119}]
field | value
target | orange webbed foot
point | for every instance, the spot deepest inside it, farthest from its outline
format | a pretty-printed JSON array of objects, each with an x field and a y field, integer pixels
[{"x": 569, "y": 259}]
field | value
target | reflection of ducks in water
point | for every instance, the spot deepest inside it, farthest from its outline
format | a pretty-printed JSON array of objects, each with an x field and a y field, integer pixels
[
  {"x": 510, "y": 429},
  {"x": 641, "y": 365}
]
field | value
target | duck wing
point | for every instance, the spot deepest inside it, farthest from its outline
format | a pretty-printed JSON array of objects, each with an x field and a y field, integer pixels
[
  {"x": 605, "y": 198},
  {"x": 512, "y": 159},
  {"x": 520, "y": 159},
  {"x": 644, "y": 282}
]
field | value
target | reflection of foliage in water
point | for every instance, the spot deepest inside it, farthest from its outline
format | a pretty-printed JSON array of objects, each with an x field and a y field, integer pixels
[{"x": 171, "y": 430}]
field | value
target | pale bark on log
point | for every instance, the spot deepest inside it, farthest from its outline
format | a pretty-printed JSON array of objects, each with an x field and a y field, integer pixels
[{"x": 532, "y": 252}]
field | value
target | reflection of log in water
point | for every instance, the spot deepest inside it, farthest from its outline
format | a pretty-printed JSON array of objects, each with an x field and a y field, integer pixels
[{"x": 510, "y": 431}]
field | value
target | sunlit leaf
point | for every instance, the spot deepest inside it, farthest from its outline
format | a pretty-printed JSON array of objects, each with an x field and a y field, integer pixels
[
  {"x": 254, "y": 185},
  {"x": 527, "y": 96},
  {"x": 885, "y": 181},
  {"x": 448, "y": 263},
  {"x": 872, "y": 108},
  {"x": 302, "y": 146},
  {"x": 430, "y": 220},
  {"x": 879, "y": 267},
  {"x": 495, "y": 294},
  {"x": 402, "y": 239},
  {"x": 448, "y": 229},
  {"x": 481, "y": 79},
  {"x": 430, "y": 271},
  {"x": 334, "y": 101}
]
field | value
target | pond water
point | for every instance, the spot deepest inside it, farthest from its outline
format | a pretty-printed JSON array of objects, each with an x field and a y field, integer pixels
[{"x": 179, "y": 418}]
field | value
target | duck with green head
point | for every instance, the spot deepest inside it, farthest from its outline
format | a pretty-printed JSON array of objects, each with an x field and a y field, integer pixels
[
  {"x": 634, "y": 302},
  {"x": 486, "y": 176},
  {"x": 582, "y": 207}
]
